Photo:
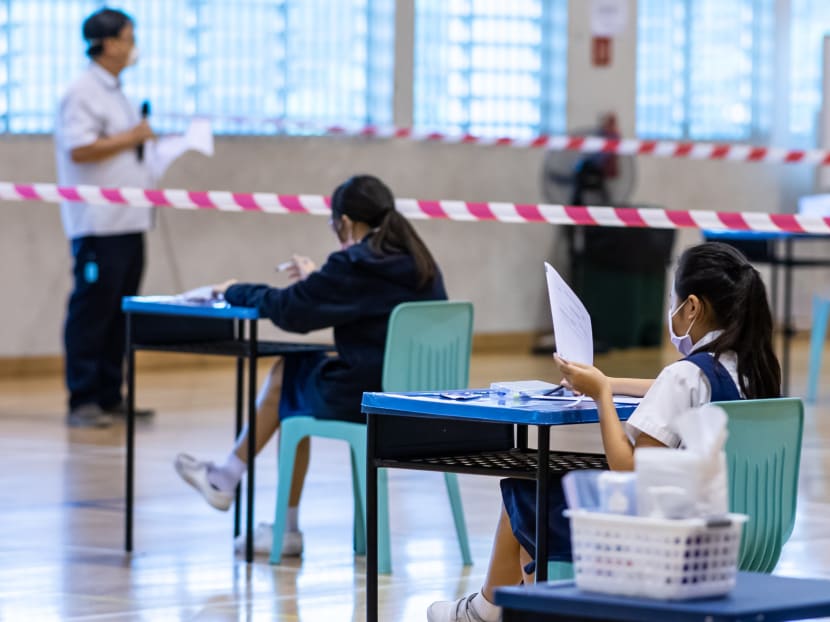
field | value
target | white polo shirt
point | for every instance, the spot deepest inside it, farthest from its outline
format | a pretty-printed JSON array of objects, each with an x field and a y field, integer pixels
[
  {"x": 681, "y": 386},
  {"x": 95, "y": 107}
]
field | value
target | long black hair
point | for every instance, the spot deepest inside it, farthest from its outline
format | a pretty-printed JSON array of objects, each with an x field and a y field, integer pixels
[
  {"x": 724, "y": 279},
  {"x": 366, "y": 199}
]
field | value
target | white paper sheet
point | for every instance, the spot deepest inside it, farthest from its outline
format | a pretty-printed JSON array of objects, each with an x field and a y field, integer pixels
[
  {"x": 162, "y": 152},
  {"x": 571, "y": 322},
  {"x": 200, "y": 294}
]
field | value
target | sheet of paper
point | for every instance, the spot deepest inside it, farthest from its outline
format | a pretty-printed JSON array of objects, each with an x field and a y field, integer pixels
[
  {"x": 165, "y": 150},
  {"x": 571, "y": 322}
]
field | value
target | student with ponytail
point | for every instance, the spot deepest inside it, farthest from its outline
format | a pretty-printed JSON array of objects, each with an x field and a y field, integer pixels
[
  {"x": 382, "y": 263},
  {"x": 720, "y": 322}
]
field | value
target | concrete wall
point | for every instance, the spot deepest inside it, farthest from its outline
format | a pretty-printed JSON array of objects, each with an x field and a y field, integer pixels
[{"x": 496, "y": 266}]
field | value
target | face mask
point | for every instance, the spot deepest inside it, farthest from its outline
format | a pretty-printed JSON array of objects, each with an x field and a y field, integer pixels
[
  {"x": 683, "y": 344},
  {"x": 132, "y": 59}
]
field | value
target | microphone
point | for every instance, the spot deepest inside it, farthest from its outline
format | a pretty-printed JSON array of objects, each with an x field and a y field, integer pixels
[{"x": 145, "y": 112}]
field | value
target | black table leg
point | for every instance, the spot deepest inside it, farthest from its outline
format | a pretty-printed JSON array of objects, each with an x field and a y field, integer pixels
[
  {"x": 252, "y": 361},
  {"x": 371, "y": 517},
  {"x": 542, "y": 479},
  {"x": 128, "y": 515},
  {"x": 788, "y": 310},
  {"x": 521, "y": 437},
  {"x": 240, "y": 378}
]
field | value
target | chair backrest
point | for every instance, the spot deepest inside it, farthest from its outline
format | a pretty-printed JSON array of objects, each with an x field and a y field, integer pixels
[
  {"x": 428, "y": 346},
  {"x": 763, "y": 453},
  {"x": 428, "y": 349}
]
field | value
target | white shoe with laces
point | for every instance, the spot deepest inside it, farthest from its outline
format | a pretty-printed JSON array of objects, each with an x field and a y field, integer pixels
[
  {"x": 461, "y": 610},
  {"x": 292, "y": 541},
  {"x": 195, "y": 473}
]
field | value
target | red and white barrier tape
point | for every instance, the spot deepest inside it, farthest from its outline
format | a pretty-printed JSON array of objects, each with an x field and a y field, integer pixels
[
  {"x": 416, "y": 209},
  {"x": 582, "y": 144}
]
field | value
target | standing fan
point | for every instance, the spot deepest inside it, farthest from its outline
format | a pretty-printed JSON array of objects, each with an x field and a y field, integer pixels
[{"x": 574, "y": 178}]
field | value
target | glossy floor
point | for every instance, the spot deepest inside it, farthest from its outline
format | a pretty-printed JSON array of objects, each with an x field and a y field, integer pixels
[{"x": 61, "y": 520}]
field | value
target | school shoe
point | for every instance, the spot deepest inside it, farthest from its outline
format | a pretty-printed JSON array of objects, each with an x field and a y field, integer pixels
[
  {"x": 88, "y": 416},
  {"x": 120, "y": 410},
  {"x": 461, "y": 610},
  {"x": 292, "y": 541},
  {"x": 195, "y": 473}
]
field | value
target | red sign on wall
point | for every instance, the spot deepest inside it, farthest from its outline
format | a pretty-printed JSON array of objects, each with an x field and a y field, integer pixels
[{"x": 601, "y": 51}]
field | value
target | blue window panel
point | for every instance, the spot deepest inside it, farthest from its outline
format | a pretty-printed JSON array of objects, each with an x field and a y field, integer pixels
[
  {"x": 254, "y": 66},
  {"x": 491, "y": 68},
  {"x": 705, "y": 69}
]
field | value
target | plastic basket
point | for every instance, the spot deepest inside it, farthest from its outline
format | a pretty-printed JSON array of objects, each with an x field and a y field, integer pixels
[{"x": 655, "y": 558}]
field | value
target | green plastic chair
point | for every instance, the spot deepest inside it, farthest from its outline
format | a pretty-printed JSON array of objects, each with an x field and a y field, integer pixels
[
  {"x": 763, "y": 454},
  {"x": 428, "y": 348}
]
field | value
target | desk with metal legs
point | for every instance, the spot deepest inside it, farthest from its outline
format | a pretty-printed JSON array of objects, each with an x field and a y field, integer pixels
[
  {"x": 168, "y": 324},
  {"x": 482, "y": 436}
]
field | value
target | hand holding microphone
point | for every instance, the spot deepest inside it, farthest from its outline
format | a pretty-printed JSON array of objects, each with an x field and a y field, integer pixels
[{"x": 143, "y": 130}]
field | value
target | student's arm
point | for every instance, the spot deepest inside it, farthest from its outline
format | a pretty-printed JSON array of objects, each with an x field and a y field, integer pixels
[
  {"x": 592, "y": 382},
  {"x": 324, "y": 299},
  {"x": 636, "y": 387}
]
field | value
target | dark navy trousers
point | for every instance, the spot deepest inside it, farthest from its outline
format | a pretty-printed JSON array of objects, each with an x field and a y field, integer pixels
[{"x": 106, "y": 268}]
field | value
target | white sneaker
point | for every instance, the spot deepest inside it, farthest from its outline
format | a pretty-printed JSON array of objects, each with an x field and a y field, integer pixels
[
  {"x": 461, "y": 610},
  {"x": 195, "y": 473},
  {"x": 292, "y": 541}
]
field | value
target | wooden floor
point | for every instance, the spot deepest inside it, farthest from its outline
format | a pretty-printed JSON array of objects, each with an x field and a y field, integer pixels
[{"x": 61, "y": 520}]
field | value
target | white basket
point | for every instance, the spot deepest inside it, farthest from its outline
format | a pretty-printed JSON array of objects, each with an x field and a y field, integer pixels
[{"x": 655, "y": 558}]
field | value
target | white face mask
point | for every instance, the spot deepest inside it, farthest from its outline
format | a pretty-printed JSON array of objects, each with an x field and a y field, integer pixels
[
  {"x": 683, "y": 343},
  {"x": 132, "y": 59}
]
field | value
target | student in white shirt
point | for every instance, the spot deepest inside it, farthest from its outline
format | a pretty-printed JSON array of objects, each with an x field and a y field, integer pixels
[
  {"x": 99, "y": 136},
  {"x": 720, "y": 321}
]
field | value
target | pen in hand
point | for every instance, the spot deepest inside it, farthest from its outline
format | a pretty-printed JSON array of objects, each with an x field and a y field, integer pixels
[{"x": 285, "y": 265}]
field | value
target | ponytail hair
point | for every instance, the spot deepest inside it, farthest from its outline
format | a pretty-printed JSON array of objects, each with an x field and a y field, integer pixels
[
  {"x": 366, "y": 199},
  {"x": 724, "y": 279}
]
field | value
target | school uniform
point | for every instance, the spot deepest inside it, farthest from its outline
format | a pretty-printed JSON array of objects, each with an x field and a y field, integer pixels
[
  {"x": 107, "y": 241},
  {"x": 354, "y": 292},
  {"x": 691, "y": 382}
]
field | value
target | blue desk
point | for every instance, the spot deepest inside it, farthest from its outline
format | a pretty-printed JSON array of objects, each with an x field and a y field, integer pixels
[
  {"x": 482, "y": 436},
  {"x": 168, "y": 324},
  {"x": 756, "y": 597}
]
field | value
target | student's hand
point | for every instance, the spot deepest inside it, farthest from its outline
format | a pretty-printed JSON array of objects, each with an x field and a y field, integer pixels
[
  {"x": 221, "y": 288},
  {"x": 300, "y": 268},
  {"x": 585, "y": 379}
]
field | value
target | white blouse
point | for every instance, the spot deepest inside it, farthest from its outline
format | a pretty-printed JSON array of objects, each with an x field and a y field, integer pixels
[{"x": 679, "y": 387}]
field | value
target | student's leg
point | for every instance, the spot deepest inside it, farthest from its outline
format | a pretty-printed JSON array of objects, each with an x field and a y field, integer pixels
[
  {"x": 504, "y": 569},
  {"x": 505, "y": 559}
]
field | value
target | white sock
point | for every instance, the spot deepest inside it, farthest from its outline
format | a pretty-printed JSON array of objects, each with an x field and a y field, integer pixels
[
  {"x": 486, "y": 610},
  {"x": 227, "y": 476},
  {"x": 292, "y": 518}
]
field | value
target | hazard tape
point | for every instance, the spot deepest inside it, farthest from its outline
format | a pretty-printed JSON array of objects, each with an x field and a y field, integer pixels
[
  {"x": 641, "y": 217},
  {"x": 583, "y": 144}
]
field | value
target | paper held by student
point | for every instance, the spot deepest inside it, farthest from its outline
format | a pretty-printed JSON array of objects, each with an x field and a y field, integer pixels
[
  {"x": 571, "y": 322},
  {"x": 162, "y": 152}
]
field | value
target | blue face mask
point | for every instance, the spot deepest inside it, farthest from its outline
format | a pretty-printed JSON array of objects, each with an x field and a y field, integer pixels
[{"x": 683, "y": 343}]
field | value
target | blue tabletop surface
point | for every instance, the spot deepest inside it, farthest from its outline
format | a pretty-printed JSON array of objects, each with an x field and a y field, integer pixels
[
  {"x": 175, "y": 305},
  {"x": 777, "y": 598},
  {"x": 487, "y": 406}
]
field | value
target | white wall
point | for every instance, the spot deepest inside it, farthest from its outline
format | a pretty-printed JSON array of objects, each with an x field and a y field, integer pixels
[{"x": 496, "y": 266}]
